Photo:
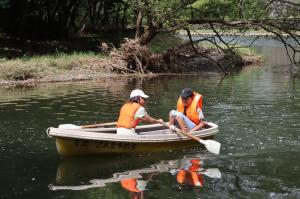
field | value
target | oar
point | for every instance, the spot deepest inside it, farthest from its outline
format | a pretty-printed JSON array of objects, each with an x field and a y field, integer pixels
[
  {"x": 211, "y": 145},
  {"x": 73, "y": 126},
  {"x": 212, "y": 173}
]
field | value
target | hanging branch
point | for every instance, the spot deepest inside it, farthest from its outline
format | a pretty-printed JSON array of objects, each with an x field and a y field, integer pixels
[
  {"x": 268, "y": 25},
  {"x": 191, "y": 40},
  {"x": 199, "y": 52},
  {"x": 220, "y": 38}
]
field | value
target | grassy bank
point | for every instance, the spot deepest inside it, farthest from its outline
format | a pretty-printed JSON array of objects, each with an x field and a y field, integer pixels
[
  {"x": 76, "y": 65},
  {"x": 92, "y": 65},
  {"x": 37, "y": 67},
  {"x": 240, "y": 50}
]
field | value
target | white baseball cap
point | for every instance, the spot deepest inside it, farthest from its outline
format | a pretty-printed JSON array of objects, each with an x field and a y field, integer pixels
[{"x": 138, "y": 92}]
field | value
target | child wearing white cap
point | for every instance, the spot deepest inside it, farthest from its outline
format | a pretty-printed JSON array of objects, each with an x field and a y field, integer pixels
[{"x": 134, "y": 112}]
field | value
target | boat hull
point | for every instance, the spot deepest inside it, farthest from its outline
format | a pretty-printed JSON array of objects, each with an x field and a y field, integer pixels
[
  {"x": 151, "y": 139},
  {"x": 75, "y": 147}
]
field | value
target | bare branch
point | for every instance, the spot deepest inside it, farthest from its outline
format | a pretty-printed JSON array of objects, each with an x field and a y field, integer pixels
[
  {"x": 220, "y": 38},
  {"x": 191, "y": 40}
]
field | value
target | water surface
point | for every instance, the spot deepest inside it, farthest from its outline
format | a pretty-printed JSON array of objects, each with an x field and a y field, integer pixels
[{"x": 257, "y": 111}]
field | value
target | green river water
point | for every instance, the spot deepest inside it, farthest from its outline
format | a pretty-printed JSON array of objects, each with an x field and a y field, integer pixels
[{"x": 257, "y": 110}]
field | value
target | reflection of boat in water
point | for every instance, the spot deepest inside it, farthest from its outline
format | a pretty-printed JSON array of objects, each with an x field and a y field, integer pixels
[
  {"x": 151, "y": 138},
  {"x": 187, "y": 170}
]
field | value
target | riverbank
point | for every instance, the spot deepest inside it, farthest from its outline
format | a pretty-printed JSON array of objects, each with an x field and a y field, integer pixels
[
  {"x": 69, "y": 77},
  {"x": 232, "y": 32},
  {"x": 166, "y": 54},
  {"x": 32, "y": 72}
]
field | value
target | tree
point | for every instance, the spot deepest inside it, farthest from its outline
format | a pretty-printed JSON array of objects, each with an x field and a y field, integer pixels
[
  {"x": 277, "y": 17},
  {"x": 61, "y": 19},
  {"x": 155, "y": 15}
]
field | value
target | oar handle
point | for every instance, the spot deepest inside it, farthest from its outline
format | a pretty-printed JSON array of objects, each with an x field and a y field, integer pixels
[
  {"x": 184, "y": 133},
  {"x": 98, "y": 125}
]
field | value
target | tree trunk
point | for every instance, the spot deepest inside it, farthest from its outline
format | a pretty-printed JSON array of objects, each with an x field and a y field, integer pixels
[
  {"x": 118, "y": 8},
  {"x": 73, "y": 16},
  {"x": 139, "y": 21},
  {"x": 23, "y": 19},
  {"x": 105, "y": 21},
  {"x": 148, "y": 35},
  {"x": 124, "y": 18},
  {"x": 91, "y": 12},
  {"x": 99, "y": 17}
]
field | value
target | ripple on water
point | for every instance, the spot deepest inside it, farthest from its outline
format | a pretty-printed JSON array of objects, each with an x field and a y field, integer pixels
[
  {"x": 8, "y": 103},
  {"x": 68, "y": 106},
  {"x": 75, "y": 97},
  {"x": 80, "y": 111},
  {"x": 19, "y": 109},
  {"x": 254, "y": 128},
  {"x": 25, "y": 106},
  {"x": 46, "y": 107},
  {"x": 61, "y": 113},
  {"x": 71, "y": 115},
  {"x": 33, "y": 102}
]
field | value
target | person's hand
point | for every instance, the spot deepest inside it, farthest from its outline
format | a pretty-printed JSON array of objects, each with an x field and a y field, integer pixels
[
  {"x": 185, "y": 129},
  {"x": 172, "y": 127},
  {"x": 160, "y": 121}
]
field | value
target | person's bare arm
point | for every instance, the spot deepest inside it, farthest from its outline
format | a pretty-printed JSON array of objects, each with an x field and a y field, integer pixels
[
  {"x": 147, "y": 118},
  {"x": 199, "y": 126}
]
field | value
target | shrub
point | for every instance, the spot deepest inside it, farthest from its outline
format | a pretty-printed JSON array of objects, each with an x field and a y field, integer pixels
[{"x": 16, "y": 70}]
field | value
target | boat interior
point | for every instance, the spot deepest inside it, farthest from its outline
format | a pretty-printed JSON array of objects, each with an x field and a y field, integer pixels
[{"x": 141, "y": 130}]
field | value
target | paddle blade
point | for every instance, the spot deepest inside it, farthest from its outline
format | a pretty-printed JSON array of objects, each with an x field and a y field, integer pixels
[
  {"x": 212, "y": 146},
  {"x": 212, "y": 173},
  {"x": 68, "y": 126}
]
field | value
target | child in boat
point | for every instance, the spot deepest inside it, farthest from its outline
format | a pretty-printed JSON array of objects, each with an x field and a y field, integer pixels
[
  {"x": 188, "y": 115},
  {"x": 133, "y": 112}
]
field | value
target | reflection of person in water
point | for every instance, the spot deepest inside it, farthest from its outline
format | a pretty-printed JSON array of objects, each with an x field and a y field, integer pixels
[
  {"x": 189, "y": 174},
  {"x": 136, "y": 187}
]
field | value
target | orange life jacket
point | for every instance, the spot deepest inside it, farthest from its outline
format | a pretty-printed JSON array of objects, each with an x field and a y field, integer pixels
[
  {"x": 191, "y": 111},
  {"x": 190, "y": 175},
  {"x": 196, "y": 165},
  {"x": 189, "y": 178},
  {"x": 130, "y": 185},
  {"x": 126, "y": 118}
]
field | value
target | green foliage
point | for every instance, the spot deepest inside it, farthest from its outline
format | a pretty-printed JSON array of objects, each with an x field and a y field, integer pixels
[
  {"x": 213, "y": 9},
  {"x": 230, "y": 9},
  {"x": 160, "y": 11},
  {"x": 59, "y": 19},
  {"x": 4, "y": 4},
  {"x": 62, "y": 19},
  {"x": 164, "y": 41}
]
